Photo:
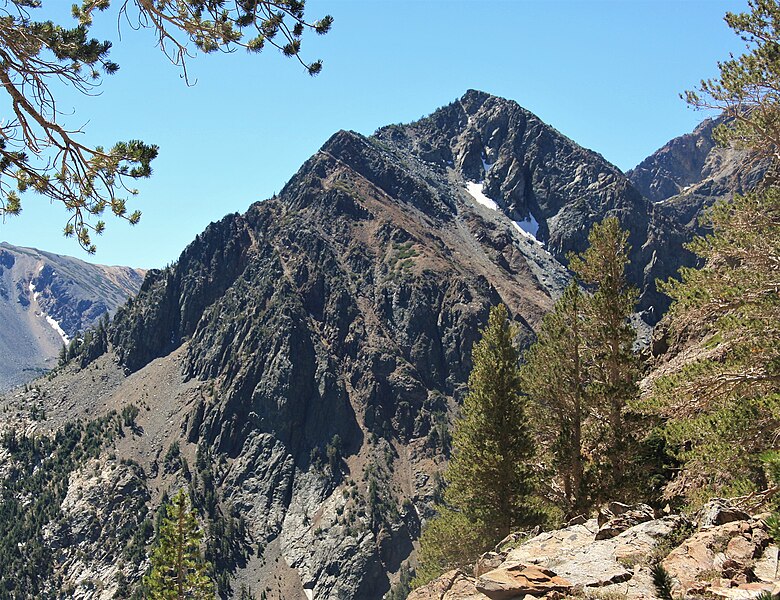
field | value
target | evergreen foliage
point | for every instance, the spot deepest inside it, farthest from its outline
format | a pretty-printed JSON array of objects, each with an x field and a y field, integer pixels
[
  {"x": 490, "y": 481},
  {"x": 86, "y": 348},
  {"x": 554, "y": 375},
  {"x": 721, "y": 398},
  {"x": 723, "y": 403},
  {"x": 38, "y": 154},
  {"x": 178, "y": 571},
  {"x": 489, "y": 477},
  {"x": 449, "y": 541},
  {"x": 226, "y": 538},
  {"x": 31, "y": 496},
  {"x": 609, "y": 339},
  {"x": 404, "y": 586},
  {"x": 662, "y": 582},
  {"x": 747, "y": 89},
  {"x": 581, "y": 374}
]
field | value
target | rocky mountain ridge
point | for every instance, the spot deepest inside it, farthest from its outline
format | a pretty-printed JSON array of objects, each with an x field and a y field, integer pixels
[
  {"x": 305, "y": 357},
  {"x": 46, "y": 300}
]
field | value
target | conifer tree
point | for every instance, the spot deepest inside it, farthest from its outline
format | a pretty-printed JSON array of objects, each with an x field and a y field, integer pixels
[
  {"x": 489, "y": 477},
  {"x": 721, "y": 398},
  {"x": 747, "y": 90},
  {"x": 612, "y": 363},
  {"x": 178, "y": 570},
  {"x": 723, "y": 403},
  {"x": 40, "y": 153},
  {"x": 554, "y": 375},
  {"x": 490, "y": 488}
]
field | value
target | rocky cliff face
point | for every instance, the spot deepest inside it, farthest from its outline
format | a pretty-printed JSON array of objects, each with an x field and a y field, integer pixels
[
  {"x": 306, "y": 356},
  {"x": 46, "y": 300},
  {"x": 693, "y": 164},
  {"x": 682, "y": 179}
]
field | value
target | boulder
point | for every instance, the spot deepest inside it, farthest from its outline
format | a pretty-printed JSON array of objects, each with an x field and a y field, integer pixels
[
  {"x": 453, "y": 585},
  {"x": 519, "y": 581},
  {"x": 552, "y": 544},
  {"x": 616, "y": 518},
  {"x": 766, "y": 566},
  {"x": 696, "y": 555},
  {"x": 487, "y": 562},
  {"x": 745, "y": 591},
  {"x": 719, "y": 558},
  {"x": 730, "y": 561},
  {"x": 742, "y": 548},
  {"x": 719, "y": 512},
  {"x": 516, "y": 538}
]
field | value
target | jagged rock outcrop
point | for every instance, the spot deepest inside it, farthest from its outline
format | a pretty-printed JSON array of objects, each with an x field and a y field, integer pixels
[
  {"x": 684, "y": 178},
  {"x": 47, "y": 299},
  {"x": 736, "y": 560},
  {"x": 105, "y": 504}
]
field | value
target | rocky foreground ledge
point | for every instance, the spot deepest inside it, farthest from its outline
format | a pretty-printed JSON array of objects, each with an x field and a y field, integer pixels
[{"x": 722, "y": 553}]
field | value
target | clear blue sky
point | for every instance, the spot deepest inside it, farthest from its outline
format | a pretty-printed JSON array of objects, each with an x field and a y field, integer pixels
[{"x": 607, "y": 73}]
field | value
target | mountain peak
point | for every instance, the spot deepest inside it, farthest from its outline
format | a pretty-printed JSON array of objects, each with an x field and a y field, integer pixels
[{"x": 472, "y": 100}]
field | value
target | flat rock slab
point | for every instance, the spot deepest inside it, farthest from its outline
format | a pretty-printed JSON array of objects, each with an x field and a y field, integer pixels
[
  {"x": 746, "y": 591},
  {"x": 766, "y": 567},
  {"x": 552, "y": 545},
  {"x": 519, "y": 581},
  {"x": 639, "y": 587},
  {"x": 732, "y": 561},
  {"x": 574, "y": 553}
]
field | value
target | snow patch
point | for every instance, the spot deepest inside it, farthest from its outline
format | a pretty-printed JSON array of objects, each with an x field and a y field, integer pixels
[
  {"x": 528, "y": 229},
  {"x": 35, "y": 294},
  {"x": 528, "y": 225},
  {"x": 475, "y": 191},
  {"x": 57, "y": 328},
  {"x": 50, "y": 320},
  {"x": 309, "y": 593},
  {"x": 487, "y": 166}
]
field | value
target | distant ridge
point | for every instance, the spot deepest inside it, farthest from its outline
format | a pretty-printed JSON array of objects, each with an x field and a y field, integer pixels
[{"x": 46, "y": 300}]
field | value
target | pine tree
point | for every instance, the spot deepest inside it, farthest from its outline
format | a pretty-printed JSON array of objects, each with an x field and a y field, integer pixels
[
  {"x": 747, "y": 90},
  {"x": 612, "y": 362},
  {"x": 720, "y": 396},
  {"x": 39, "y": 154},
  {"x": 722, "y": 404},
  {"x": 488, "y": 476},
  {"x": 554, "y": 375},
  {"x": 449, "y": 541},
  {"x": 178, "y": 570},
  {"x": 490, "y": 486}
]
